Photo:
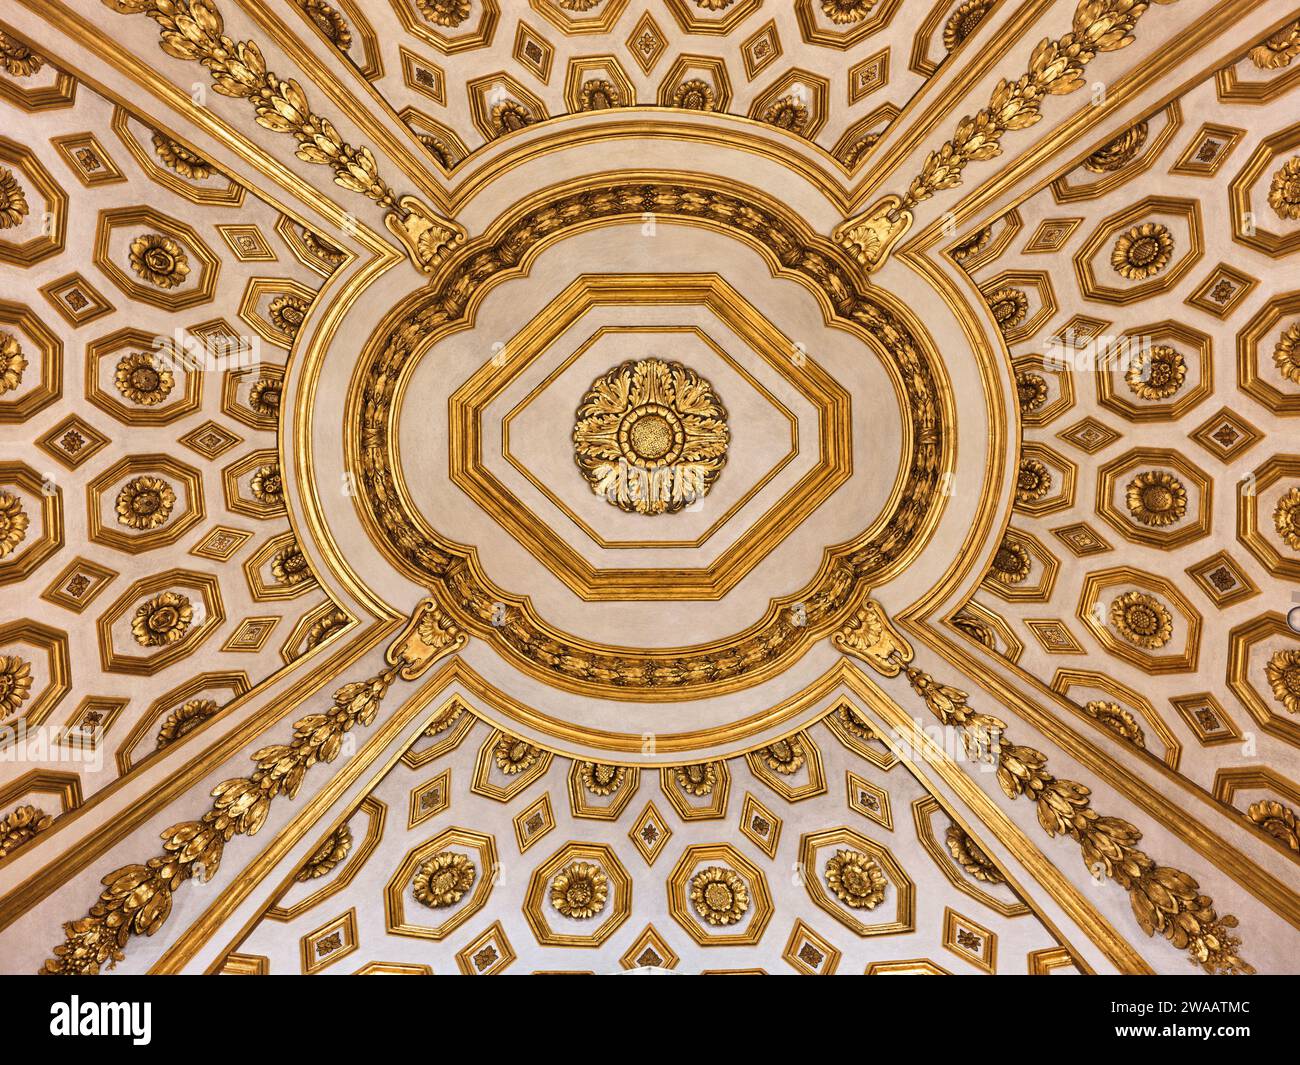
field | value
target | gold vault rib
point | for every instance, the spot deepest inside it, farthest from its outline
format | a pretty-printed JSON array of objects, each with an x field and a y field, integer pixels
[
  {"x": 192, "y": 29},
  {"x": 1165, "y": 900},
  {"x": 1055, "y": 68}
]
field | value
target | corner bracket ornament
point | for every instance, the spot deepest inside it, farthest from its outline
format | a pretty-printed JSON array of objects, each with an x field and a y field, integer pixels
[
  {"x": 1165, "y": 901},
  {"x": 428, "y": 237},
  {"x": 428, "y": 636},
  {"x": 137, "y": 899},
  {"x": 871, "y": 236},
  {"x": 870, "y": 636}
]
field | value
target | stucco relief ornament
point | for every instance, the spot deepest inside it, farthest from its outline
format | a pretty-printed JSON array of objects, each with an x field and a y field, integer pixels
[
  {"x": 162, "y": 620},
  {"x": 184, "y": 720},
  {"x": 1157, "y": 373},
  {"x": 141, "y": 379},
  {"x": 1031, "y": 391},
  {"x": 13, "y": 204},
  {"x": 871, "y": 236},
  {"x": 514, "y": 756},
  {"x": 145, "y": 503},
  {"x": 12, "y": 362},
  {"x": 1117, "y": 720},
  {"x": 963, "y": 22},
  {"x": 1284, "y": 191},
  {"x": 1119, "y": 152},
  {"x": 444, "y": 12},
  {"x": 13, "y": 523},
  {"x": 20, "y": 825},
  {"x": 1283, "y": 673},
  {"x": 694, "y": 94},
  {"x": 177, "y": 157},
  {"x": 580, "y": 891},
  {"x": 842, "y": 12},
  {"x": 331, "y": 23},
  {"x": 325, "y": 858},
  {"x": 1033, "y": 481},
  {"x": 1156, "y": 498},
  {"x": 599, "y": 778},
  {"x": 1286, "y": 355},
  {"x": 1277, "y": 820},
  {"x": 18, "y": 60},
  {"x": 968, "y": 854},
  {"x": 784, "y": 756},
  {"x": 1142, "y": 251},
  {"x": 1011, "y": 563},
  {"x": 266, "y": 484},
  {"x": 697, "y": 779},
  {"x": 443, "y": 880},
  {"x": 15, "y": 683},
  {"x": 1142, "y": 620},
  {"x": 1286, "y": 518},
  {"x": 720, "y": 897},
  {"x": 159, "y": 260},
  {"x": 856, "y": 878},
  {"x": 651, "y": 436}
]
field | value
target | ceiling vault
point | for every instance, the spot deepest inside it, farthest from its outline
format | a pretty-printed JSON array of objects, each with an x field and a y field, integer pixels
[{"x": 707, "y": 485}]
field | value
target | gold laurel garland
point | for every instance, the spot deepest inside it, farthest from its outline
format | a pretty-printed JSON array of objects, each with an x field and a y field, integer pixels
[
  {"x": 1165, "y": 901},
  {"x": 192, "y": 29},
  {"x": 1056, "y": 67},
  {"x": 137, "y": 899}
]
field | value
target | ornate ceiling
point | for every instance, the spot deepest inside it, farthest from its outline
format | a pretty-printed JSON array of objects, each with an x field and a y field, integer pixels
[{"x": 585, "y": 485}]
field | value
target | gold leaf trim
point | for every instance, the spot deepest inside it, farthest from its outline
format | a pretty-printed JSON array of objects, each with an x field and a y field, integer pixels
[
  {"x": 1164, "y": 900},
  {"x": 1056, "y": 67},
  {"x": 192, "y": 29},
  {"x": 137, "y": 899}
]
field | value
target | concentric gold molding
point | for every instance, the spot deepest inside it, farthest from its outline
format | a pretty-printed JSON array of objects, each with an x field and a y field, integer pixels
[
  {"x": 626, "y": 673},
  {"x": 587, "y": 581}
]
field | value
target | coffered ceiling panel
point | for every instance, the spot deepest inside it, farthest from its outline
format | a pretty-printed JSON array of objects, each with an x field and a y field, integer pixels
[{"x": 698, "y": 486}]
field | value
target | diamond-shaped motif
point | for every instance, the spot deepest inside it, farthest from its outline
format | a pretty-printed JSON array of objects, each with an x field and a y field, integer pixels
[
  {"x": 251, "y": 635},
  {"x": 72, "y": 441},
  {"x": 1220, "y": 293},
  {"x": 760, "y": 826},
  {"x": 1089, "y": 435},
  {"x": 650, "y": 950},
  {"x": 868, "y": 76},
  {"x": 210, "y": 440},
  {"x": 761, "y": 50},
  {"x": 969, "y": 940},
  {"x": 809, "y": 953},
  {"x": 534, "y": 823},
  {"x": 1052, "y": 235},
  {"x": 1223, "y": 580},
  {"x": 1082, "y": 539},
  {"x": 1226, "y": 435},
  {"x": 77, "y": 584},
  {"x": 646, "y": 42},
  {"x": 488, "y": 954},
  {"x": 533, "y": 51},
  {"x": 221, "y": 543},
  {"x": 650, "y": 833},
  {"x": 1054, "y": 636},
  {"x": 429, "y": 799},
  {"x": 870, "y": 801}
]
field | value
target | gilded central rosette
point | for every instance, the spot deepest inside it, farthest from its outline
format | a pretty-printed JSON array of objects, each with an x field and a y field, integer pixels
[{"x": 651, "y": 436}]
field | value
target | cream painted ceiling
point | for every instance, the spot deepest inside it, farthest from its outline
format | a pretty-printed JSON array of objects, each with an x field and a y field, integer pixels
[{"x": 961, "y": 336}]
